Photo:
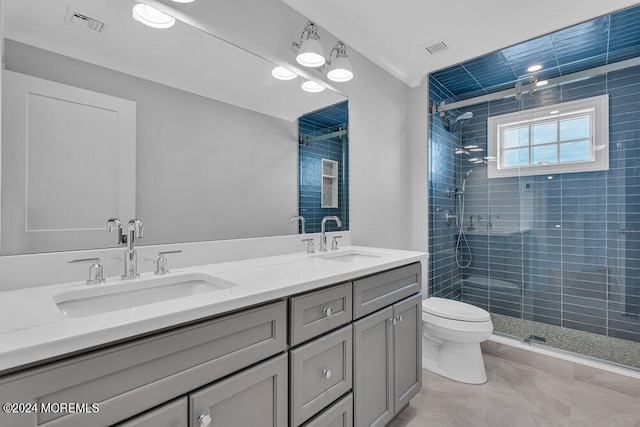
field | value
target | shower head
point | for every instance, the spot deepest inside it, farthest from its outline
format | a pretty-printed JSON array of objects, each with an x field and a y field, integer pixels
[{"x": 458, "y": 122}]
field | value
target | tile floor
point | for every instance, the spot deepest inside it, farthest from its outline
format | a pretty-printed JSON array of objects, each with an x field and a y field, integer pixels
[{"x": 517, "y": 395}]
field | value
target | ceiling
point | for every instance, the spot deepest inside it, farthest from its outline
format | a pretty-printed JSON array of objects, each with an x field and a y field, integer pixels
[
  {"x": 182, "y": 57},
  {"x": 601, "y": 41},
  {"x": 334, "y": 115},
  {"x": 394, "y": 34}
]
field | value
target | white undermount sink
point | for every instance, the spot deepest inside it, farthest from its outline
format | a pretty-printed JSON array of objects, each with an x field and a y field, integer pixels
[
  {"x": 135, "y": 293},
  {"x": 351, "y": 255}
]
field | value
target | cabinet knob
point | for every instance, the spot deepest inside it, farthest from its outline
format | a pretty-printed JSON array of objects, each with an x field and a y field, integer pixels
[
  {"x": 400, "y": 318},
  {"x": 326, "y": 373},
  {"x": 327, "y": 311},
  {"x": 204, "y": 420},
  {"x": 394, "y": 320}
]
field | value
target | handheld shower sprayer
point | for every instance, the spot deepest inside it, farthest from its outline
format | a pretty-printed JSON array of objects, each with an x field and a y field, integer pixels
[{"x": 464, "y": 181}]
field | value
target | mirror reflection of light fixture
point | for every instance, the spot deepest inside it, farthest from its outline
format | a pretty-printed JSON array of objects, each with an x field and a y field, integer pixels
[
  {"x": 183, "y": 1},
  {"x": 310, "y": 52},
  {"x": 340, "y": 68},
  {"x": 311, "y": 86},
  {"x": 282, "y": 73},
  {"x": 152, "y": 17}
]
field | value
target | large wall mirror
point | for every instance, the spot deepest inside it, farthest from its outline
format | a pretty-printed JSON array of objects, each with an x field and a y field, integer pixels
[{"x": 105, "y": 117}]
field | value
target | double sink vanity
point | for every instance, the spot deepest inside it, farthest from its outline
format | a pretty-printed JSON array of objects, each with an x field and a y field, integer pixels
[{"x": 328, "y": 339}]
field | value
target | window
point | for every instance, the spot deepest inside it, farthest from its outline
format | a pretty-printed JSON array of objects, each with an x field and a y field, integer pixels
[{"x": 561, "y": 138}]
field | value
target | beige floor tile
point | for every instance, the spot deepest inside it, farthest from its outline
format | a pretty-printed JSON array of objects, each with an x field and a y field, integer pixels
[{"x": 517, "y": 395}]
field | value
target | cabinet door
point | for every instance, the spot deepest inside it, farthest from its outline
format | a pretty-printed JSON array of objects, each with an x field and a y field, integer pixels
[
  {"x": 373, "y": 369},
  {"x": 320, "y": 372},
  {"x": 407, "y": 350},
  {"x": 251, "y": 398},
  {"x": 172, "y": 414}
]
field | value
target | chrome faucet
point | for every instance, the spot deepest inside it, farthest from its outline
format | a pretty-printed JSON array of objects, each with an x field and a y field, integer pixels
[
  {"x": 115, "y": 224},
  {"x": 323, "y": 236},
  {"x": 135, "y": 231},
  {"x": 299, "y": 218}
]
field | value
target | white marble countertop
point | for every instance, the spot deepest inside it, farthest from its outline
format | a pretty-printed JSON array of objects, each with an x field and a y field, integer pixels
[{"x": 32, "y": 328}]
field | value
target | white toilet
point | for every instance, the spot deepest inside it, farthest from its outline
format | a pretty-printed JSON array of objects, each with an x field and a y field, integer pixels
[{"x": 451, "y": 335}]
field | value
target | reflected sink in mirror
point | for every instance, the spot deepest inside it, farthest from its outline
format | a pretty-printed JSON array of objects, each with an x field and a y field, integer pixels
[
  {"x": 104, "y": 299},
  {"x": 349, "y": 256}
]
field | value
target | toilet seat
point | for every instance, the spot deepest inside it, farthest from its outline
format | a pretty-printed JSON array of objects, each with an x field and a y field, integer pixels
[{"x": 454, "y": 310}]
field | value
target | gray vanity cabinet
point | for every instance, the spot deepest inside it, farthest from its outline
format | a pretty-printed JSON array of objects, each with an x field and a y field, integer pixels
[
  {"x": 130, "y": 378},
  {"x": 172, "y": 414},
  {"x": 387, "y": 345},
  {"x": 256, "y": 397}
]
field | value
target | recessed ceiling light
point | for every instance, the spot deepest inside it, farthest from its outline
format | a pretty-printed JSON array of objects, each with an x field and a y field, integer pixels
[
  {"x": 311, "y": 86},
  {"x": 282, "y": 73},
  {"x": 152, "y": 17},
  {"x": 533, "y": 68},
  {"x": 542, "y": 83}
]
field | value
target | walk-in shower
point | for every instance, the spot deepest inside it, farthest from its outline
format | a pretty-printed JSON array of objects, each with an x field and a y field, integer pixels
[{"x": 555, "y": 256}]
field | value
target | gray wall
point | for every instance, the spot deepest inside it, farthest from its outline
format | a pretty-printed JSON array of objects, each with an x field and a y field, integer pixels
[{"x": 206, "y": 170}]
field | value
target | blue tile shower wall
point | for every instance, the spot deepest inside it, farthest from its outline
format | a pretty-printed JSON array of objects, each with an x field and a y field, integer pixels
[
  {"x": 310, "y": 176},
  {"x": 577, "y": 235},
  {"x": 444, "y": 274}
]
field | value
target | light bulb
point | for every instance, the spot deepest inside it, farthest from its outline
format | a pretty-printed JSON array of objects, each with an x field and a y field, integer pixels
[
  {"x": 152, "y": 17},
  {"x": 282, "y": 73},
  {"x": 313, "y": 87},
  {"x": 311, "y": 54}
]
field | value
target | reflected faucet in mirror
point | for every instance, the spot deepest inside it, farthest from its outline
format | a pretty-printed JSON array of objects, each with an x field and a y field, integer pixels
[
  {"x": 323, "y": 236},
  {"x": 299, "y": 218},
  {"x": 135, "y": 230}
]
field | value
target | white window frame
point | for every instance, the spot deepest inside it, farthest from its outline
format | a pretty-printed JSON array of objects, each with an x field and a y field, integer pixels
[{"x": 596, "y": 107}]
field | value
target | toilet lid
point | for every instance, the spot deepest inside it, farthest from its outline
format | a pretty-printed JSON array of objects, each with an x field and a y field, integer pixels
[{"x": 456, "y": 310}]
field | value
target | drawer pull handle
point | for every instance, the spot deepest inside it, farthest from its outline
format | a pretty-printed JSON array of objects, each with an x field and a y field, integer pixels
[
  {"x": 204, "y": 420},
  {"x": 326, "y": 373},
  {"x": 327, "y": 311}
]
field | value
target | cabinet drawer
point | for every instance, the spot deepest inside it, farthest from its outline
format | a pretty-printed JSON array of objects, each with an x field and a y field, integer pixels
[
  {"x": 340, "y": 414},
  {"x": 380, "y": 290},
  {"x": 254, "y": 397},
  {"x": 315, "y": 313},
  {"x": 320, "y": 372},
  {"x": 172, "y": 414},
  {"x": 130, "y": 378}
]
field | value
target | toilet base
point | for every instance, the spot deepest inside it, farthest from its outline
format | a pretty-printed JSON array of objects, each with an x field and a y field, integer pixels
[{"x": 458, "y": 361}]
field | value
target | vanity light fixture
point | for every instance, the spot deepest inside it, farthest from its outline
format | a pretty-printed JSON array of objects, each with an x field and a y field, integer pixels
[
  {"x": 311, "y": 86},
  {"x": 340, "y": 69},
  {"x": 534, "y": 68},
  {"x": 282, "y": 73},
  {"x": 152, "y": 17},
  {"x": 310, "y": 52}
]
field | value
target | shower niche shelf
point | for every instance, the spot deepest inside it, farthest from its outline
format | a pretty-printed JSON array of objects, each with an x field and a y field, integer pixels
[{"x": 329, "y": 183}]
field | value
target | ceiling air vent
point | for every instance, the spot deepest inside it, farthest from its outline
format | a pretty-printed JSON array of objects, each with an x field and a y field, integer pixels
[
  {"x": 81, "y": 20},
  {"x": 436, "y": 47}
]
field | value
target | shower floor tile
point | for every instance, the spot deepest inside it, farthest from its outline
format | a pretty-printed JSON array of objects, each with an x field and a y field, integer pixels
[{"x": 517, "y": 395}]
